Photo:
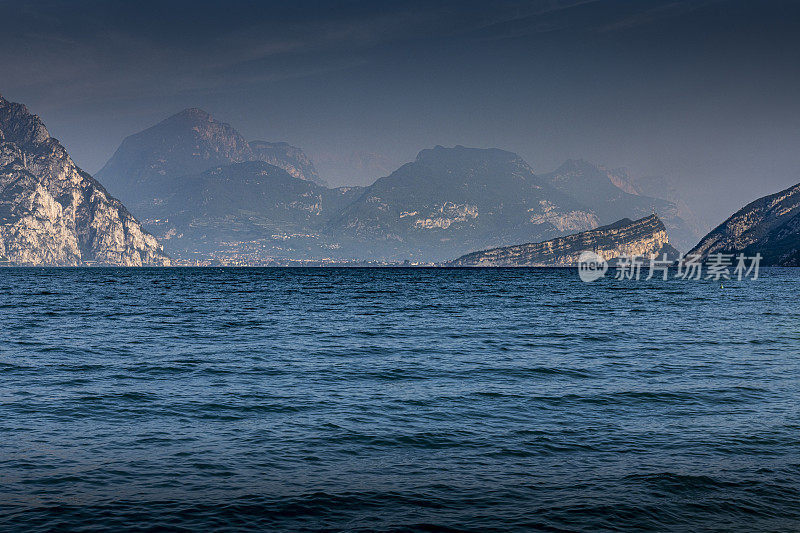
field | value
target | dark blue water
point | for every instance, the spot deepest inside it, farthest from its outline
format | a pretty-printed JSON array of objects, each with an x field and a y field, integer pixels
[{"x": 360, "y": 399}]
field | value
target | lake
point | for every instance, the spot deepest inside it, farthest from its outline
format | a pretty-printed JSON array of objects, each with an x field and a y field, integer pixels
[{"x": 397, "y": 399}]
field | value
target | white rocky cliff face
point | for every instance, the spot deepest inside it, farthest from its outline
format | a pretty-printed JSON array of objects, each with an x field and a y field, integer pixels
[
  {"x": 53, "y": 213},
  {"x": 644, "y": 237}
]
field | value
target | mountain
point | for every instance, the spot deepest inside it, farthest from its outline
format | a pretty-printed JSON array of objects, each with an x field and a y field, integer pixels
[
  {"x": 661, "y": 187},
  {"x": 148, "y": 164},
  {"x": 445, "y": 203},
  {"x": 612, "y": 194},
  {"x": 290, "y": 158},
  {"x": 769, "y": 226},
  {"x": 249, "y": 212},
  {"x": 644, "y": 237},
  {"x": 52, "y": 212},
  {"x": 452, "y": 200}
]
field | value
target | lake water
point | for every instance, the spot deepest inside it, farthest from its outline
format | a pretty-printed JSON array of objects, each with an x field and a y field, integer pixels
[{"x": 397, "y": 399}]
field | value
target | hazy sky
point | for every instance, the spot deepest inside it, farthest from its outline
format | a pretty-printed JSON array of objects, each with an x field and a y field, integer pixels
[{"x": 704, "y": 92}]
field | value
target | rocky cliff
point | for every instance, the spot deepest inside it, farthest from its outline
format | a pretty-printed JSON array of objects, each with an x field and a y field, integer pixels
[
  {"x": 769, "y": 226},
  {"x": 642, "y": 237},
  {"x": 53, "y": 213}
]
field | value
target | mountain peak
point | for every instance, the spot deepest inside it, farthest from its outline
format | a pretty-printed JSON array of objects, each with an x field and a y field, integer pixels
[
  {"x": 19, "y": 125},
  {"x": 439, "y": 152},
  {"x": 189, "y": 118},
  {"x": 185, "y": 143},
  {"x": 147, "y": 164},
  {"x": 195, "y": 112}
]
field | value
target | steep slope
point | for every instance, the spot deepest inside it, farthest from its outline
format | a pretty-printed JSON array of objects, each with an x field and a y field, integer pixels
[
  {"x": 252, "y": 211},
  {"x": 769, "y": 226},
  {"x": 451, "y": 200},
  {"x": 612, "y": 194},
  {"x": 642, "y": 237},
  {"x": 53, "y": 213},
  {"x": 147, "y": 164},
  {"x": 290, "y": 158}
]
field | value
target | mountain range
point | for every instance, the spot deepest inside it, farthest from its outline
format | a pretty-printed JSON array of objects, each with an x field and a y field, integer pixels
[
  {"x": 195, "y": 183},
  {"x": 209, "y": 195},
  {"x": 452, "y": 200}
]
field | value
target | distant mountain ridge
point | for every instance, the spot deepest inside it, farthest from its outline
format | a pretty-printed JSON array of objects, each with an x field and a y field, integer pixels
[
  {"x": 252, "y": 209},
  {"x": 450, "y": 200},
  {"x": 290, "y": 158},
  {"x": 148, "y": 164},
  {"x": 612, "y": 193},
  {"x": 644, "y": 237},
  {"x": 769, "y": 226},
  {"x": 661, "y": 187},
  {"x": 207, "y": 192},
  {"x": 53, "y": 213},
  {"x": 446, "y": 202}
]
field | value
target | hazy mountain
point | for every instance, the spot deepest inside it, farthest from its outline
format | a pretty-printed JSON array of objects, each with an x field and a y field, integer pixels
[
  {"x": 769, "y": 226},
  {"x": 622, "y": 180},
  {"x": 447, "y": 202},
  {"x": 53, "y": 213},
  {"x": 147, "y": 164},
  {"x": 661, "y": 187},
  {"x": 249, "y": 211},
  {"x": 453, "y": 200},
  {"x": 643, "y": 237},
  {"x": 290, "y": 158},
  {"x": 612, "y": 194}
]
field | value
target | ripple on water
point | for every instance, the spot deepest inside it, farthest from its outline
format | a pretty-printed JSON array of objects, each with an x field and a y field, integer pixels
[{"x": 403, "y": 399}]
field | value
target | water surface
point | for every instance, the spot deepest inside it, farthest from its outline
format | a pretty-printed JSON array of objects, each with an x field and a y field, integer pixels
[{"x": 397, "y": 399}]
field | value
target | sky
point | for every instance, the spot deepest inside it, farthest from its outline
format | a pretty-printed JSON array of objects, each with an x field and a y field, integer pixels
[{"x": 703, "y": 92}]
